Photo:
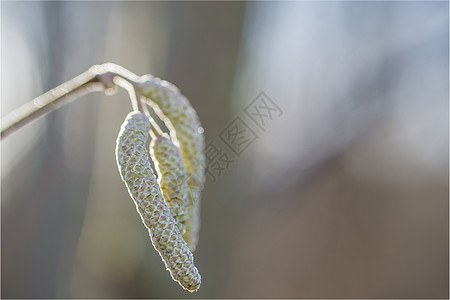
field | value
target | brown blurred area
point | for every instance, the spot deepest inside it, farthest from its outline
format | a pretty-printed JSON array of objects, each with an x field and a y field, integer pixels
[{"x": 345, "y": 195}]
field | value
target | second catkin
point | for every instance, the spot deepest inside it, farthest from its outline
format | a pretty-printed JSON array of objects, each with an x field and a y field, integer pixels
[{"x": 172, "y": 177}]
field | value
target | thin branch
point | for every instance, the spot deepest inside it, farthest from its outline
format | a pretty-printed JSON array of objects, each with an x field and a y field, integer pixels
[
  {"x": 155, "y": 130},
  {"x": 132, "y": 91},
  {"x": 97, "y": 78}
]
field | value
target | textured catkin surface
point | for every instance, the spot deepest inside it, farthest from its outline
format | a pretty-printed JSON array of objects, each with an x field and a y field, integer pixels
[
  {"x": 187, "y": 133},
  {"x": 172, "y": 178},
  {"x": 135, "y": 170}
]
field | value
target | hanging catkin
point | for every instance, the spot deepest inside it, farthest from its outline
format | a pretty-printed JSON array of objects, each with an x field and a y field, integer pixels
[
  {"x": 187, "y": 133},
  {"x": 135, "y": 170},
  {"x": 172, "y": 177}
]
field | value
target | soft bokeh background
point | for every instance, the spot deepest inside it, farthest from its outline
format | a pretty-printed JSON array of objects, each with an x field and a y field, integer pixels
[{"x": 344, "y": 195}]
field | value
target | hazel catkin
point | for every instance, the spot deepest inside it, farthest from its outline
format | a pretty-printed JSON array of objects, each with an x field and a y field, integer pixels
[
  {"x": 172, "y": 177},
  {"x": 135, "y": 170}
]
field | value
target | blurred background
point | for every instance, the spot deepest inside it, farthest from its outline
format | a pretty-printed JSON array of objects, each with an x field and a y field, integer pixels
[{"x": 342, "y": 193}]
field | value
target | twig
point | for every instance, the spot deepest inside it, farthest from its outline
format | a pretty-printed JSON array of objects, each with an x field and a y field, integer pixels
[
  {"x": 155, "y": 130},
  {"x": 103, "y": 77}
]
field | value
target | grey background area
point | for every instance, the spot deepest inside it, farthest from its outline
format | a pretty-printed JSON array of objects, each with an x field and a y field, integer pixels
[{"x": 345, "y": 195}]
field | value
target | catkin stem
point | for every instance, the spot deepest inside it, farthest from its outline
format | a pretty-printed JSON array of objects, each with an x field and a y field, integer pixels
[
  {"x": 156, "y": 131},
  {"x": 134, "y": 96},
  {"x": 98, "y": 78}
]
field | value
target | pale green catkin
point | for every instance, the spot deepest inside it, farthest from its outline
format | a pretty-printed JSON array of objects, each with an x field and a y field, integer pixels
[
  {"x": 135, "y": 170},
  {"x": 187, "y": 133},
  {"x": 172, "y": 177}
]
